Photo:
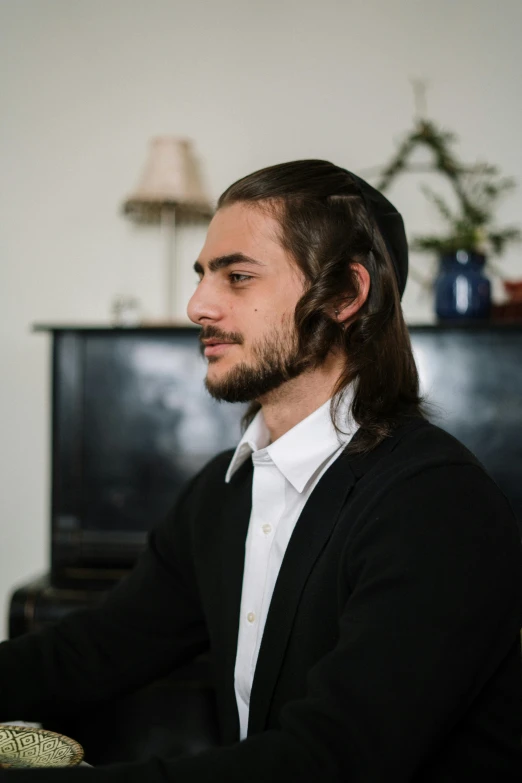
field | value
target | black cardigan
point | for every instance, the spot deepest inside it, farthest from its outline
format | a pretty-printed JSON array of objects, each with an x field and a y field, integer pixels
[{"x": 391, "y": 650}]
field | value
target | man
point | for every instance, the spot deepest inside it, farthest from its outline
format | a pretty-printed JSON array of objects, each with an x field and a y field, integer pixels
[{"x": 354, "y": 572}]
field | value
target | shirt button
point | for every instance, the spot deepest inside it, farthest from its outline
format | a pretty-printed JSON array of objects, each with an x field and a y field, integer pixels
[
  {"x": 266, "y": 528},
  {"x": 251, "y": 617}
]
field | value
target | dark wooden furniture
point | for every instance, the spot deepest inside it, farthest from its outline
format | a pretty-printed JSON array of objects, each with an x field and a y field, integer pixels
[{"x": 131, "y": 421}]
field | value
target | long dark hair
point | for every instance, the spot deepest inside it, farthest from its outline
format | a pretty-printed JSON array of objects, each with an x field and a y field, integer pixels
[{"x": 326, "y": 227}]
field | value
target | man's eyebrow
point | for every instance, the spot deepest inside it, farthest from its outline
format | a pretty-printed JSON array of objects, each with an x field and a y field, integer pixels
[{"x": 221, "y": 262}]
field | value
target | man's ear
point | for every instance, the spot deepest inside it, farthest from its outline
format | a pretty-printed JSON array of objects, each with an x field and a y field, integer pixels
[{"x": 346, "y": 312}]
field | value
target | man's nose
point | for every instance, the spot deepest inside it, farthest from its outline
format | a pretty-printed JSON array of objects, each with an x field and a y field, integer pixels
[{"x": 204, "y": 303}]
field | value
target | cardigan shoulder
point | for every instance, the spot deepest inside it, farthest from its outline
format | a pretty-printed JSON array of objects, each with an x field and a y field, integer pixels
[
  {"x": 412, "y": 448},
  {"x": 421, "y": 454}
]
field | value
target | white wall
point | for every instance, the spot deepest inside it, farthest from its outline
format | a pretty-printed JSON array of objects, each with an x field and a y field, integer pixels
[{"x": 84, "y": 85}]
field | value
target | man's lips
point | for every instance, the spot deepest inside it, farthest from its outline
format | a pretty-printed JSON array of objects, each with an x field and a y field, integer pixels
[
  {"x": 213, "y": 347},
  {"x": 216, "y": 341}
]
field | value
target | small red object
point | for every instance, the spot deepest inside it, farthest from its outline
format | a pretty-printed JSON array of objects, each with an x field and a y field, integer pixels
[{"x": 513, "y": 289}]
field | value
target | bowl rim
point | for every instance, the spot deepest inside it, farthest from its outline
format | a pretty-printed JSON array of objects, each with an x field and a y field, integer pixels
[{"x": 77, "y": 749}]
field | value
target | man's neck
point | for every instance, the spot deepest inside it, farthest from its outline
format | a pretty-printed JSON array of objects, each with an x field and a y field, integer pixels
[{"x": 298, "y": 398}]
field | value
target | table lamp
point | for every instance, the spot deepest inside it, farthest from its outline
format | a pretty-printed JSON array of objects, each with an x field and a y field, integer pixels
[{"x": 169, "y": 191}]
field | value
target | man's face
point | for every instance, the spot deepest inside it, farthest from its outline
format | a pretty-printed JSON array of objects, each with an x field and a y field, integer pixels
[{"x": 246, "y": 297}]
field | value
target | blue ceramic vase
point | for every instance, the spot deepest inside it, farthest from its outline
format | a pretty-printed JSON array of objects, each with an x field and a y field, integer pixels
[{"x": 462, "y": 290}]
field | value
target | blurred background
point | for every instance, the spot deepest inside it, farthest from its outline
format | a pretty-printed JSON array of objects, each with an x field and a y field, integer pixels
[{"x": 85, "y": 85}]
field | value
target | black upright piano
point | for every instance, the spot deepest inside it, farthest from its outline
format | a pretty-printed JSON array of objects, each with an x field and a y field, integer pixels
[{"x": 132, "y": 421}]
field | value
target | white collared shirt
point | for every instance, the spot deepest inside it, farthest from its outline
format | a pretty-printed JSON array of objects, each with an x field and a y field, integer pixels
[{"x": 285, "y": 473}]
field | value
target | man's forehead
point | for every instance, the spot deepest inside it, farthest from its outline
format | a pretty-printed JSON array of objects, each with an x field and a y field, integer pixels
[{"x": 242, "y": 229}]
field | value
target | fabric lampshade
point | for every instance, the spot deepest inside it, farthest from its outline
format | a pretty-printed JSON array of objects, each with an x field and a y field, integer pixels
[{"x": 170, "y": 178}]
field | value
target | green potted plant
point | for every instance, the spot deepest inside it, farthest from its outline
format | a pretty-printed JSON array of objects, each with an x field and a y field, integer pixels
[{"x": 471, "y": 238}]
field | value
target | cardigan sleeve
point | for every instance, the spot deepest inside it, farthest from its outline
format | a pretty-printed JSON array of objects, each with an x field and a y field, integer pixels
[
  {"x": 433, "y": 610},
  {"x": 148, "y": 624}
]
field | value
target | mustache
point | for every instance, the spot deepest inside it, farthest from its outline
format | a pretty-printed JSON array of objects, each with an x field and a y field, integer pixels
[{"x": 212, "y": 332}]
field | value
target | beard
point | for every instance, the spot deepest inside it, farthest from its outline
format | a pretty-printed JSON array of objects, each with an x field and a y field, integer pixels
[{"x": 276, "y": 359}]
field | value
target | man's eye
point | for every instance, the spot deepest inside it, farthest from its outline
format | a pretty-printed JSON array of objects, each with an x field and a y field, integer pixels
[{"x": 237, "y": 275}]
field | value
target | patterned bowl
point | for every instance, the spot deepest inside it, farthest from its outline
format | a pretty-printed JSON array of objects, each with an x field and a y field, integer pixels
[{"x": 27, "y": 747}]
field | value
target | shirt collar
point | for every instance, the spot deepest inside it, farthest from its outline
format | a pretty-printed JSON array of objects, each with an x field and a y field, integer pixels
[
  {"x": 255, "y": 438},
  {"x": 303, "y": 450}
]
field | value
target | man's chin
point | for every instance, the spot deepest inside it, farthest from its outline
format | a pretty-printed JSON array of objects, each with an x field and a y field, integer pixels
[
  {"x": 228, "y": 390},
  {"x": 241, "y": 388}
]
